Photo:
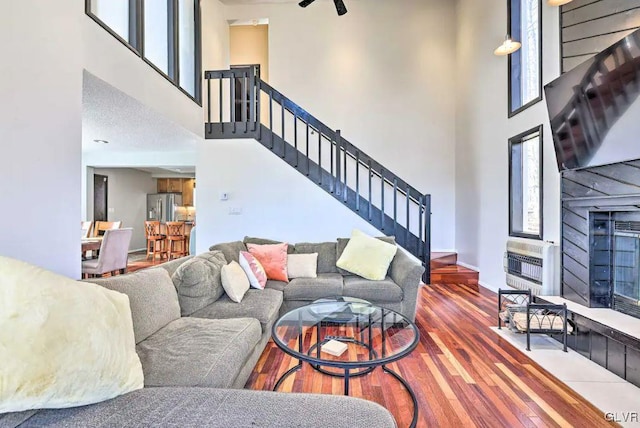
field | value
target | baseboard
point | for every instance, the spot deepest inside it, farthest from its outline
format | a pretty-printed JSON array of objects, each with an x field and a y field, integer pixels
[
  {"x": 445, "y": 250},
  {"x": 468, "y": 266},
  {"x": 137, "y": 250},
  {"x": 490, "y": 286}
]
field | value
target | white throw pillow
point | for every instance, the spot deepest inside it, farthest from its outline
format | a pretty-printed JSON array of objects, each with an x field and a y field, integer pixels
[
  {"x": 234, "y": 281},
  {"x": 63, "y": 343},
  {"x": 366, "y": 256},
  {"x": 253, "y": 269},
  {"x": 302, "y": 265}
]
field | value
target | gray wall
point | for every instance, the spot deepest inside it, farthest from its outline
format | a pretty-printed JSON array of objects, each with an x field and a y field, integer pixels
[
  {"x": 589, "y": 27},
  {"x": 127, "y": 199}
]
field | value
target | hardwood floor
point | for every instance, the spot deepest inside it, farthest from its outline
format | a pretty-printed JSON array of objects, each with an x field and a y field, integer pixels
[{"x": 463, "y": 374}]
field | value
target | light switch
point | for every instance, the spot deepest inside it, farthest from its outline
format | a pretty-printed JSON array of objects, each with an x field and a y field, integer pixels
[
  {"x": 111, "y": 210},
  {"x": 224, "y": 196}
]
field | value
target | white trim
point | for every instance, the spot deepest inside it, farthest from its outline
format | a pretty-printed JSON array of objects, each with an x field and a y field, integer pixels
[
  {"x": 137, "y": 251},
  {"x": 491, "y": 287},
  {"x": 444, "y": 251},
  {"x": 468, "y": 266}
]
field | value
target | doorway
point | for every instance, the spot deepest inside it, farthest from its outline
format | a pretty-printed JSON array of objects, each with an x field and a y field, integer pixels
[
  {"x": 100, "y": 192},
  {"x": 242, "y": 102},
  {"x": 249, "y": 46}
]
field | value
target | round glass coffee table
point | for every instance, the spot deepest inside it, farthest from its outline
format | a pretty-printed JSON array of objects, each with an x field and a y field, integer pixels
[{"x": 368, "y": 336}]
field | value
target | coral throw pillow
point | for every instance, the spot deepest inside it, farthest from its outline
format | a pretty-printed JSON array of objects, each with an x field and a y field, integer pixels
[
  {"x": 63, "y": 343},
  {"x": 254, "y": 270},
  {"x": 366, "y": 256},
  {"x": 273, "y": 257}
]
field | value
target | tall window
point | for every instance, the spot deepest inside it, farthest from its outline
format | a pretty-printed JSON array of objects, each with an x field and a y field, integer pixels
[
  {"x": 525, "y": 184},
  {"x": 525, "y": 65},
  {"x": 187, "y": 42},
  {"x": 114, "y": 14},
  {"x": 165, "y": 33},
  {"x": 156, "y": 33}
]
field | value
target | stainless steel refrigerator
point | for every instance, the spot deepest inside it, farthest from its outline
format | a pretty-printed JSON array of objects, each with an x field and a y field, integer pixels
[{"x": 163, "y": 206}]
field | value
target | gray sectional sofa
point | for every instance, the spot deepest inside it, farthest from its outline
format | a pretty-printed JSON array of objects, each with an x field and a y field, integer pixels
[
  {"x": 198, "y": 348},
  {"x": 398, "y": 291}
]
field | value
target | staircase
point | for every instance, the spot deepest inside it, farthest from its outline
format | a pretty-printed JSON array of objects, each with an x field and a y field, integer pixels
[
  {"x": 241, "y": 105},
  {"x": 446, "y": 270},
  {"x": 598, "y": 101}
]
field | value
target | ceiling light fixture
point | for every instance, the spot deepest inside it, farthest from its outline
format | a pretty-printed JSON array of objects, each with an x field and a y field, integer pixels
[
  {"x": 558, "y": 2},
  {"x": 101, "y": 141},
  {"x": 508, "y": 47}
]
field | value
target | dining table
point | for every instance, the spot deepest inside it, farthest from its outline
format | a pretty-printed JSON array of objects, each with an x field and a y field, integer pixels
[{"x": 90, "y": 244}]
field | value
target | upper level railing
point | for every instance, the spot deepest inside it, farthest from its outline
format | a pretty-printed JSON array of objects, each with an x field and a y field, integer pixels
[{"x": 240, "y": 104}]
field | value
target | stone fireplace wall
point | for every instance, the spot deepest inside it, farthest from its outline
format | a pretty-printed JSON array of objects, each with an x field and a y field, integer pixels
[{"x": 587, "y": 194}]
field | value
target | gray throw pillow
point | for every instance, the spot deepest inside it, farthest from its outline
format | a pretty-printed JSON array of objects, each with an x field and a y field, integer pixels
[{"x": 198, "y": 281}]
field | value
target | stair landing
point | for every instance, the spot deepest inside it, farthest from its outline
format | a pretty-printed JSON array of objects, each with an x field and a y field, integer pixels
[{"x": 445, "y": 270}]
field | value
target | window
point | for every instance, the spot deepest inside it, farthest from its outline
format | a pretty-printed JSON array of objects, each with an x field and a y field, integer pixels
[
  {"x": 165, "y": 33},
  {"x": 525, "y": 65},
  {"x": 114, "y": 14},
  {"x": 156, "y": 33},
  {"x": 525, "y": 184},
  {"x": 187, "y": 42}
]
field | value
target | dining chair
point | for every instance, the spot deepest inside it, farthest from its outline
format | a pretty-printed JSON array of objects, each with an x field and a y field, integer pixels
[
  {"x": 102, "y": 226},
  {"x": 114, "y": 254},
  {"x": 85, "y": 226},
  {"x": 176, "y": 239},
  {"x": 155, "y": 240}
]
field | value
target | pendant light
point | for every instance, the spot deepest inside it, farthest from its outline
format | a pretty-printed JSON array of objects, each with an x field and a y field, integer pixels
[
  {"x": 558, "y": 2},
  {"x": 507, "y": 47}
]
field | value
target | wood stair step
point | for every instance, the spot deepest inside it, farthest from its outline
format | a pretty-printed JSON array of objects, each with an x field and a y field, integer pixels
[
  {"x": 442, "y": 259},
  {"x": 455, "y": 274}
]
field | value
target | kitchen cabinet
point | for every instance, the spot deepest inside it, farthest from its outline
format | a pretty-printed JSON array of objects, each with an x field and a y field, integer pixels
[
  {"x": 163, "y": 185},
  {"x": 184, "y": 186},
  {"x": 187, "y": 191}
]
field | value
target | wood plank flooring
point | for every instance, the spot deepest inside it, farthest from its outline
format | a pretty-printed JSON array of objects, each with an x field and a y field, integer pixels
[
  {"x": 463, "y": 374},
  {"x": 455, "y": 274}
]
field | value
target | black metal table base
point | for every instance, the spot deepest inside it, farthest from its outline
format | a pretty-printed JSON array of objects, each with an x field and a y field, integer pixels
[
  {"x": 347, "y": 376},
  {"x": 406, "y": 385}
]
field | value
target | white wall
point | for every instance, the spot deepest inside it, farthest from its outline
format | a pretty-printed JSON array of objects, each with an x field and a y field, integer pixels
[
  {"x": 482, "y": 132},
  {"x": 215, "y": 44},
  {"x": 40, "y": 132},
  {"x": 127, "y": 200},
  {"x": 105, "y": 57},
  {"x": 277, "y": 201},
  {"x": 384, "y": 75}
]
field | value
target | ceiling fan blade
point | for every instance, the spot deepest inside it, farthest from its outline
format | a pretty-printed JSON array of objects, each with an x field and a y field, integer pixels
[
  {"x": 305, "y": 3},
  {"x": 340, "y": 7}
]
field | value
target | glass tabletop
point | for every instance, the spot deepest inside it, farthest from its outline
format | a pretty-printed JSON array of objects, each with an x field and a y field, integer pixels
[{"x": 346, "y": 333}]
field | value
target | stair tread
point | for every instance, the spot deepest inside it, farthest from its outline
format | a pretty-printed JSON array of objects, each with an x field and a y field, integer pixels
[
  {"x": 453, "y": 269},
  {"x": 441, "y": 255}
]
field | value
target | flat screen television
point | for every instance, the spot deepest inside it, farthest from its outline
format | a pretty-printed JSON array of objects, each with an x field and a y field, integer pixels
[{"x": 594, "y": 109}]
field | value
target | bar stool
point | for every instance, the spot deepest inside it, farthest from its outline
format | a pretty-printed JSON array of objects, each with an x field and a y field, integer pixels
[
  {"x": 155, "y": 240},
  {"x": 175, "y": 235}
]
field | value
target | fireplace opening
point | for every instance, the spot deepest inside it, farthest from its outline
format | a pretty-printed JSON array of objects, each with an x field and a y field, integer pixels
[
  {"x": 615, "y": 261},
  {"x": 626, "y": 258}
]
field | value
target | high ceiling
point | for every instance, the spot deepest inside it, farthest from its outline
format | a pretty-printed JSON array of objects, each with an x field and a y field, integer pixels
[{"x": 128, "y": 125}]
